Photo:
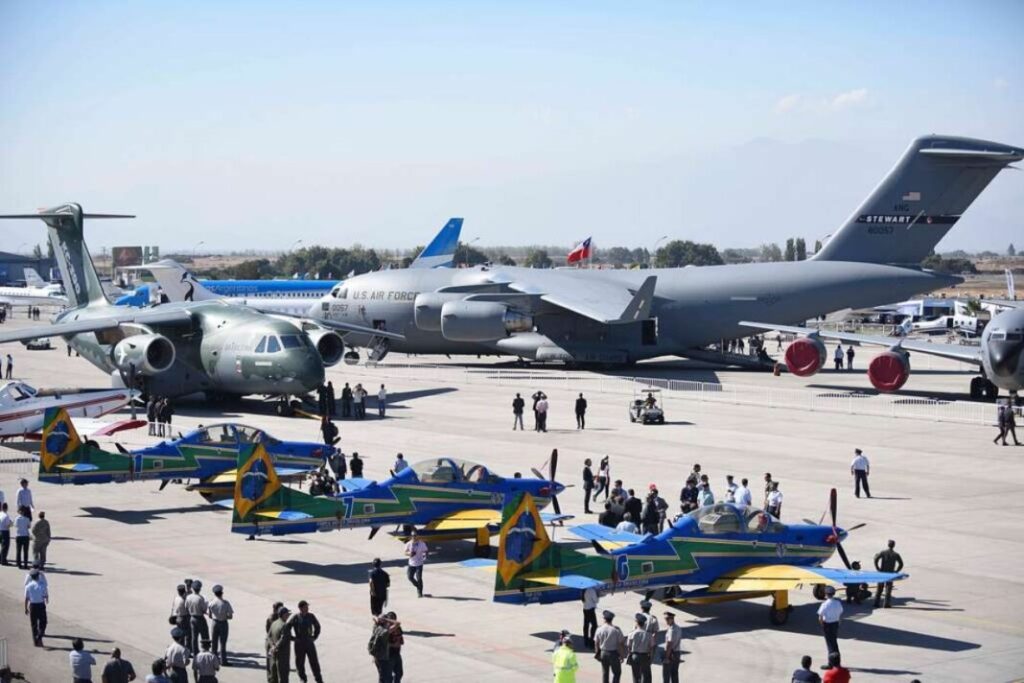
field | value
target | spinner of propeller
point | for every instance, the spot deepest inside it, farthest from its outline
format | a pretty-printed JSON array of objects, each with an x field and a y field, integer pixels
[{"x": 838, "y": 534}]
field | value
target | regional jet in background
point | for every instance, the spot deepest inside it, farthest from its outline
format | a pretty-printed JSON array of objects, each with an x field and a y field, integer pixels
[
  {"x": 36, "y": 292},
  {"x": 621, "y": 316},
  {"x": 179, "y": 349},
  {"x": 290, "y": 297}
]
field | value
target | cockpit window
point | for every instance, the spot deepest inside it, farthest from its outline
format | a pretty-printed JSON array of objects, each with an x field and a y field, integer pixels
[
  {"x": 261, "y": 347},
  {"x": 759, "y": 522},
  {"x": 272, "y": 345},
  {"x": 247, "y": 434},
  {"x": 449, "y": 470},
  {"x": 1013, "y": 336},
  {"x": 720, "y": 518},
  {"x": 291, "y": 341},
  {"x": 340, "y": 292}
]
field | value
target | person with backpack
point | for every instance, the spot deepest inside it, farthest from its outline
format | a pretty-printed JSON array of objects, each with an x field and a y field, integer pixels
[{"x": 379, "y": 647}]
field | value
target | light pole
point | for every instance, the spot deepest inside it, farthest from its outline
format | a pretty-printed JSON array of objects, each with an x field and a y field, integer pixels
[
  {"x": 198, "y": 244},
  {"x": 654, "y": 249},
  {"x": 294, "y": 244}
]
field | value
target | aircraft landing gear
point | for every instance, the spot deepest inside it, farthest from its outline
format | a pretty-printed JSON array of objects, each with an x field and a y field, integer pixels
[
  {"x": 818, "y": 591},
  {"x": 778, "y": 612},
  {"x": 284, "y": 407},
  {"x": 983, "y": 389}
]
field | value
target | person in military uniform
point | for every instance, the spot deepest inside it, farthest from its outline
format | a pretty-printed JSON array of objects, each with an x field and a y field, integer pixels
[
  {"x": 179, "y": 613},
  {"x": 640, "y": 644},
  {"x": 279, "y": 643},
  {"x": 206, "y": 665},
  {"x": 305, "y": 630},
  {"x": 887, "y": 561},
  {"x": 221, "y": 612},
  {"x": 610, "y": 648},
  {"x": 197, "y": 609},
  {"x": 177, "y": 657}
]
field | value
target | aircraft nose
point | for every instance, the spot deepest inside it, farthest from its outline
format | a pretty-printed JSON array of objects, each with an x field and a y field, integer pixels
[{"x": 1006, "y": 356}]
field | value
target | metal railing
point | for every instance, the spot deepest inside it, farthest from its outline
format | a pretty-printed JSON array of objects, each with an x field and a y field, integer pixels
[{"x": 896, "y": 406}]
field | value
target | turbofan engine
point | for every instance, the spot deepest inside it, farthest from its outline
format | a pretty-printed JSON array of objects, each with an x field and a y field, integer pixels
[
  {"x": 149, "y": 353},
  {"x": 478, "y": 321},
  {"x": 329, "y": 345},
  {"x": 889, "y": 370},
  {"x": 427, "y": 309},
  {"x": 805, "y": 356}
]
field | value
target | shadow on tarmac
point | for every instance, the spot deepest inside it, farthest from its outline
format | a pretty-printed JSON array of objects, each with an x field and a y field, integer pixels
[{"x": 144, "y": 516}]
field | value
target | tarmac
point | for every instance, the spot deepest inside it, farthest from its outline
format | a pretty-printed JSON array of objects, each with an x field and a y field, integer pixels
[{"x": 943, "y": 492}]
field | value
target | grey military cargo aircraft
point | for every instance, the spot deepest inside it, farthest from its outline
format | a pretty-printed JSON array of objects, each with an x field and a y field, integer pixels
[
  {"x": 621, "y": 316},
  {"x": 177, "y": 349}
]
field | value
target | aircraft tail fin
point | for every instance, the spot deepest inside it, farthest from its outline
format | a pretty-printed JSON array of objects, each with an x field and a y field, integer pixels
[
  {"x": 919, "y": 201},
  {"x": 64, "y": 457},
  {"x": 65, "y": 223},
  {"x": 257, "y": 485},
  {"x": 440, "y": 253},
  {"x": 177, "y": 283},
  {"x": 32, "y": 278}
]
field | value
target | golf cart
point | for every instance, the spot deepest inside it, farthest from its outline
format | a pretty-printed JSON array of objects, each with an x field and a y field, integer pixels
[{"x": 646, "y": 407}]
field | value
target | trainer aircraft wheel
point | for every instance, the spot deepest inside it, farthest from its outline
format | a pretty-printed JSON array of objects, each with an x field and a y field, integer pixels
[
  {"x": 778, "y": 617},
  {"x": 819, "y": 591}
]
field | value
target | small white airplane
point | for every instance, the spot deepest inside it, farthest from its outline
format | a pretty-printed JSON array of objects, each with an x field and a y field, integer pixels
[
  {"x": 36, "y": 292},
  {"x": 22, "y": 408}
]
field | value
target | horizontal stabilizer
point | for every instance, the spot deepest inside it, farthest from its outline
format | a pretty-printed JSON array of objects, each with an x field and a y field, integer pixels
[
  {"x": 551, "y": 577},
  {"x": 601, "y": 533},
  {"x": 283, "y": 515},
  {"x": 355, "y": 484},
  {"x": 479, "y": 563}
]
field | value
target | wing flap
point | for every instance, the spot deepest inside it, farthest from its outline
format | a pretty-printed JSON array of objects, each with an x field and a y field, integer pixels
[{"x": 787, "y": 577}]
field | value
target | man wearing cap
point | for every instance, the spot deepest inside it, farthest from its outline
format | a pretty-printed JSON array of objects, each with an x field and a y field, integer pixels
[
  {"x": 279, "y": 647},
  {"x": 380, "y": 582},
  {"x": 670, "y": 662},
  {"x": 197, "y": 609},
  {"x": 36, "y": 597},
  {"x": 860, "y": 468},
  {"x": 590, "y": 600},
  {"x": 40, "y": 539},
  {"x": 205, "y": 665},
  {"x": 610, "y": 648},
  {"x": 221, "y": 612},
  {"x": 416, "y": 551},
  {"x": 177, "y": 657},
  {"x": 563, "y": 661},
  {"x": 179, "y": 613},
  {"x": 305, "y": 630},
  {"x": 652, "y": 621},
  {"x": 640, "y": 645},
  {"x": 829, "y": 614},
  {"x": 887, "y": 561}
]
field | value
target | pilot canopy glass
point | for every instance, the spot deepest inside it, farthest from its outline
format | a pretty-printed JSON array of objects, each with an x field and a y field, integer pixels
[
  {"x": 725, "y": 518},
  {"x": 452, "y": 470}
]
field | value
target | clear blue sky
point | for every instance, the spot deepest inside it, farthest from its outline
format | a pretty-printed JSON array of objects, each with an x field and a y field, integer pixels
[{"x": 260, "y": 123}]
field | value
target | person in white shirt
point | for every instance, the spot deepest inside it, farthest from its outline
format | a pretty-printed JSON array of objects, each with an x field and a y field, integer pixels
[
  {"x": 673, "y": 638},
  {"x": 775, "y": 501},
  {"x": 743, "y": 496},
  {"x": 5, "y": 534},
  {"x": 382, "y": 401},
  {"x": 704, "y": 495},
  {"x": 542, "y": 415},
  {"x": 24, "y": 499},
  {"x": 730, "y": 489},
  {"x": 2, "y": 498},
  {"x": 590, "y": 601},
  {"x": 627, "y": 524},
  {"x": 839, "y": 357},
  {"x": 416, "y": 551},
  {"x": 860, "y": 468},
  {"x": 400, "y": 464},
  {"x": 22, "y": 525},
  {"x": 829, "y": 614},
  {"x": 36, "y": 597}
]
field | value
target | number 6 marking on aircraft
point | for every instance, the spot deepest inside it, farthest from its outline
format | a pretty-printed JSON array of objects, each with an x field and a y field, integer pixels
[{"x": 622, "y": 567}]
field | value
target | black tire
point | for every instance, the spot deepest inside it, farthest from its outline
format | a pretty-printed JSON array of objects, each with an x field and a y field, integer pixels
[
  {"x": 818, "y": 591},
  {"x": 977, "y": 388},
  {"x": 991, "y": 391},
  {"x": 661, "y": 420}
]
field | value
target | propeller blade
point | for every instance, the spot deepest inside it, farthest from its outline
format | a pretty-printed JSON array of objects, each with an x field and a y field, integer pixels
[
  {"x": 833, "y": 503},
  {"x": 554, "y": 464},
  {"x": 373, "y": 532},
  {"x": 536, "y": 473},
  {"x": 842, "y": 554},
  {"x": 856, "y": 526},
  {"x": 120, "y": 448},
  {"x": 555, "y": 505},
  {"x": 164, "y": 484},
  {"x": 810, "y": 521}
]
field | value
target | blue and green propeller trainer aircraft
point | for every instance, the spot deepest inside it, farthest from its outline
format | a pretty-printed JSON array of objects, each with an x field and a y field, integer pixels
[
  {"x": 724, "y": 552},
  {"x": 206, "y": 455},
  {"x": 443, "y": 498}
]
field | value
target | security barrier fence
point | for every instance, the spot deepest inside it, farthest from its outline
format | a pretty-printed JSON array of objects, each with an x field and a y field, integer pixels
[{"x": 528, "y": 380}]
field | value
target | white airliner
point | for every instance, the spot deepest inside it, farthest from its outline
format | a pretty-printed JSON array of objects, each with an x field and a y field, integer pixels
[{"x": 36, "y": 292}]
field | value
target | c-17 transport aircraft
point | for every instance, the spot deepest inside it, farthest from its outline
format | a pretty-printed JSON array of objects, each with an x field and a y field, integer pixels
[
  {"x": 207, "y": 454},
  {"x": 999, "y": 356},
  {"x": 621, "y": 316},
  {"x": 179, "y": 349},
  {"x": 443, "y": 498},
  {"x": 726, "y": 553}
]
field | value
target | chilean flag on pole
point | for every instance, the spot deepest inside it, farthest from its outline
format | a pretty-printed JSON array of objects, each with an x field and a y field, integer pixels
[{"x": 580, "y": 252}]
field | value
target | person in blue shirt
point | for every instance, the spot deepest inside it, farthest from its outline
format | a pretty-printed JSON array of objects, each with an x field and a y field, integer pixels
[{"x": 81, "y": 662}]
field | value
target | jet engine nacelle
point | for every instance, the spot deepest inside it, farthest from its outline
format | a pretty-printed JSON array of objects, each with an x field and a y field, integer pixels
[
  {"x": 478, "y": 321},
  {"x": 150, "y": 353},
  {"x": 805, "y": 356},
  {"x": 427, "y": 309},
  {"x": 329, "y": 345},
  {"x": 889, "y": 370}
]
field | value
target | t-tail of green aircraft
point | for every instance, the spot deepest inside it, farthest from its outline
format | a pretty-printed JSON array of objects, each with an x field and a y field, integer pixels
[{"x": 65, "y": 459}]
